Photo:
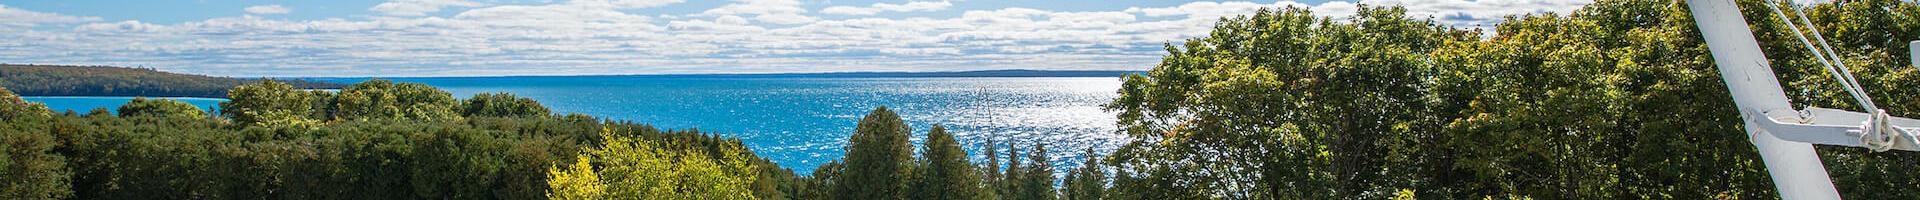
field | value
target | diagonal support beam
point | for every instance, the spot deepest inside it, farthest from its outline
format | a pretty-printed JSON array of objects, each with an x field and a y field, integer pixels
[{"x": 1795, "y": 169}]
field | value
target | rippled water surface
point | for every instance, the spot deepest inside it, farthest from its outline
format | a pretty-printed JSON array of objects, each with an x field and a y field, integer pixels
[
  {"x": 87, "y": 104},
  {"x": 801, "y": 123}
]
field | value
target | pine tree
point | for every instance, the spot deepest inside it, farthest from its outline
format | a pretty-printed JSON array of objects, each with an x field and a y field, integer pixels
[
  {"x": 1011, "y": 179},
  {"x": 878, "y": 159},
  {"x": 1087, "y": 182},
  {"x": 1122, "y": 183},
  {"x": 945, "y": 174},
  {"x": 990, "y": 183},
  {"x": 1037, "y": 178}
]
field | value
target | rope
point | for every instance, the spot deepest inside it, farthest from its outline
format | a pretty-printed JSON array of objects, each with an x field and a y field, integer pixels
[
  {"x": 1875, "y": 134},
  {"x": 1841, "y": 73},
  {"x": 1830, "y": 53}
]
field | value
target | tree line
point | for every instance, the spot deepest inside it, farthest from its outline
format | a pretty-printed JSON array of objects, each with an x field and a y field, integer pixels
[
  {"x": 880, "y": 164},
  {"x": 59, "y": 80}
]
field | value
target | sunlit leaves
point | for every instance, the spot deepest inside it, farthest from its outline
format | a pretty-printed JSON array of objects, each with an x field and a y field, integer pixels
[
  {"x": 634, "y": 169},
  {"x": 161, "y": 108}
]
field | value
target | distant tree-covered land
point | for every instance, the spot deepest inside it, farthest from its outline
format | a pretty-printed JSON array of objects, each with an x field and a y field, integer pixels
[
  {"x": 60, "y": 80},
  {"x": 981, "y": 73}
]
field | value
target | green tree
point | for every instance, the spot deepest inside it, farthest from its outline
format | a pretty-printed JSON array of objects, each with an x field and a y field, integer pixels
[
  {"x": 29, "y": 165},
  {"x": 820, "y": 184},
  {"x": 990, "y": 173},
  {"x": 268, "y": 102},
  {"x": 456, "y": 163},
  {"x": 59, "y": 80},
  {"x": 11, "y": 106},
  {"x": 576, "y": 181},
  {"x": 161, "y": 108},
  {"x": 382, "y": 99},
  {"x": 945, "y": 174},
  {"x": 501, "y": 105},
  {"x": 879, "y": 161},
  {"x": 1087, "y": 182},
  {"x": 1037, "y": 180},
  {"x": 640, "y": 169},
  {"x": 1010, "y": 181}
]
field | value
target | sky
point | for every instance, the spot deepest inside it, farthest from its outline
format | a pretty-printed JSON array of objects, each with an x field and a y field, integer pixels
[{"x": 256, "y": 38}]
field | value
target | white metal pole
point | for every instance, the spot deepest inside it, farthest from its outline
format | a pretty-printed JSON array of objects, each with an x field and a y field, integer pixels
[
  {"x": 1796, "y": 170},
  {"x": 1913, "y": 53}
]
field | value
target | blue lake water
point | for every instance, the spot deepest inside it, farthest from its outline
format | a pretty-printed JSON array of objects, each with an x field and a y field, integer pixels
[
  {"x": 802, "y": 122},
  {"x": 87, "y": 104}
]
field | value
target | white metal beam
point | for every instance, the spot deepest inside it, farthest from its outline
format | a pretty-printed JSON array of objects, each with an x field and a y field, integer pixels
[{"x": 1795, "y": 169}]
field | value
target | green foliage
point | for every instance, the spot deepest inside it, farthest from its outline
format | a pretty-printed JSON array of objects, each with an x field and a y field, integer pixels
[
  {"x": 576, "y": 181},
  {"x": 1036, "y": 180},
  {"x": 991, "y": 172},
  {"x": 30, "y": 167},
  {"x": 269, "y": 103},
  {"x": 55, "y": 80},
  {"x": 631, "y": 168},
  {"x": 820, "y": 183},
  {"x": 382, "y": 99},
  {"x": 945, "y": 172},
  {"x": 1011, "y": 180},
  {"x": 1087, "y": 182},
  {"x": 12, "y": 107},
  {"x": 501, "y": 105},
  {"x": 1283, "y": 98},
  {"x": 1617, "y": 100},
  {"x": 879, "y": 161},
  {"x": 1871, "y": 37},
  {"x": 161, "y": 108}
]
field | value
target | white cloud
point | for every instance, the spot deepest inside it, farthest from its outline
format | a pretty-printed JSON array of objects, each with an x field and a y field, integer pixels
[
  {"x": 1480, "y": 12},
  {"x": 419, "y": 7},
  {"x": 876, "y": 8},
  {"x": 17, "y": 17},
  {"x": 769, "y": 11},
  {"x": 621, "y": 4},
  {"x": 268, "y": 9},
  {"x": 604, "y": 37}
]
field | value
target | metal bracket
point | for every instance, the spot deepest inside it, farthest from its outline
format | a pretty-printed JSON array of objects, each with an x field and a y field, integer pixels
[{"x": 1843, "y": 128}]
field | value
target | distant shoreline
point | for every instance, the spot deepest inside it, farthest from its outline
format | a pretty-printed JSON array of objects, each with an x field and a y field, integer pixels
[
  {"x": 1016, "y": 73},
  {"x": 149, "y": 97}
]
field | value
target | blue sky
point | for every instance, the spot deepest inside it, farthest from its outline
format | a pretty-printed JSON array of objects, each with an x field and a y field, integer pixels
[{"x": 564, "y": 37}]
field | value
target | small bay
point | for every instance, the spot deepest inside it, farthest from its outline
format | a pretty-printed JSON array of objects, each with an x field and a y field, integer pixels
[{"x": 84, "y": 104}]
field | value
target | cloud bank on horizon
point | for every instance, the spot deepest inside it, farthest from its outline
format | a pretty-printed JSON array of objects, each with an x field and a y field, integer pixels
[{"x": 474, "y": 37}]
